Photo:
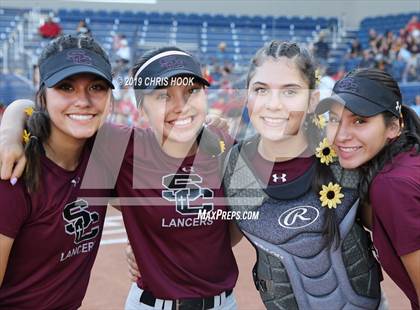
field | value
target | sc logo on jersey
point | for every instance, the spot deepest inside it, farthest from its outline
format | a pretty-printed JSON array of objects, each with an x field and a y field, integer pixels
[
  {"x": 183, "y": 189},
  {"x": 298, "y": 217},
  {"x": 79, "y": 220}
]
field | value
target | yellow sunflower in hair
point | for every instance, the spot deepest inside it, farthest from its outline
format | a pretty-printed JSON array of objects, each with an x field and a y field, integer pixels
[
  {"x": 330, "y": 195},
  {"x": 319, "y": 121},
  {"x": 325, "y": 153},
  {"x": 222, "y": 146},
  {"x": 26, "y": 136},
  {"x": 29, "y": 111}
]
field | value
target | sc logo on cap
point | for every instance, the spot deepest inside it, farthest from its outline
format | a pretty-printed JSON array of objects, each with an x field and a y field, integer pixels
[
  {"x": 347, "y": 84},
  {"x": 79, "y": 57}
]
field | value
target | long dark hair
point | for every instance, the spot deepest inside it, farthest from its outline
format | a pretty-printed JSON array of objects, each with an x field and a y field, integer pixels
[
  {"x": 306, "y": 65},
  {"x": 408, "y": 140},
  {"x": 39, "y": 123}
]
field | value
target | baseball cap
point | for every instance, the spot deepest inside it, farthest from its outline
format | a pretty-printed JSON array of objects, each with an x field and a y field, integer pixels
[
  {"x": 156, "y": 70},
  {"x": 73, "y": 61},
  {"x": 362, "y": 97}
]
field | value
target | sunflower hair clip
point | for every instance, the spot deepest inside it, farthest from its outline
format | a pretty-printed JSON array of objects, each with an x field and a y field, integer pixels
[
  {"x": 317, "y": 77},
  {"x": 325, "y": 153},
  {"x": 26, "y": 136},
  {"x": 330, "y": 195},
  {"x": 29, "y": 111},
  {"x": 319, "y": 120},
  {"x": 222, "y": 146}
]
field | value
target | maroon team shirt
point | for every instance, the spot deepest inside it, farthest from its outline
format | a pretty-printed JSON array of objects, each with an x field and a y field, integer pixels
[
  {"x": 395, "y": 198},
  {"x": 56, "y": 238},
  {"x": 179, "y": 254}
]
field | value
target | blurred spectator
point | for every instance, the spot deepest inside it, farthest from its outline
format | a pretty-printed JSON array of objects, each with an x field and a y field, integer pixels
[
  {"x": 397, "y": 68},
  {"x": 413, "y": 27},
  {"x": 356, "y": 48},
  {"x": 49, "y": 29},
  {"x": 416, "y": 107},
  {"x": 206, "y": 74},
  {"x": 321, "y": 49},
  {"x": 367, "y": 60},
  {"x": 221, "y": 53},
  {"x": 83, "y": 29},
  {"x": 2, "y": 108},
  {"x": 122, "y": 50},
  {"x": 35, "y": 76},
  {"x": 326, "y": 84},
  {"x": 412, "y": 70},
  {"x": 339, "y": 74}
]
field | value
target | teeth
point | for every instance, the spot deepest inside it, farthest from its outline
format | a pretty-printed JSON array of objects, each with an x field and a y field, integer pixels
[
  {"x": 80, "y": 117},
  {"x": 181, "y": 122},
  {"x": 349, "y": 149},
  {"x": 273, "y": 120}
]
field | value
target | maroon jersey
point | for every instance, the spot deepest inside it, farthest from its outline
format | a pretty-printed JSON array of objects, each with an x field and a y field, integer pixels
[
  {"x": 179, "y": 254},
  {"x": 56, "y": 238},
  {"x": 395, "y": 198}
]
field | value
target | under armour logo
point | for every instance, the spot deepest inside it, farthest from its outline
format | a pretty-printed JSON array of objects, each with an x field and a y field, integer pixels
[
  {"x": 276, "y": 178},
  {"x": 79, "y": 57},
  {"x": 188, "y": 169},
  {"x": 398, "y": 107}
]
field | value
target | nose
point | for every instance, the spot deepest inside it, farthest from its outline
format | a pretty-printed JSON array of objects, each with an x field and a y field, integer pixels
[
  {"x": 273, "y": 102},
  {"x": 343, "y": 132},
  {"x": 83, "y": 98},
  {"x": 179, "y": 101}
]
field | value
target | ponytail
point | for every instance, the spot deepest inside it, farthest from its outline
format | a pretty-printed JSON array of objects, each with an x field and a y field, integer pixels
[{"x": 39, "y": 127}]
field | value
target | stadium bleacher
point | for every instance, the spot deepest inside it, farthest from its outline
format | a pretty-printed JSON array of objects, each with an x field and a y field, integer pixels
[{"x": 199, "y": 33}]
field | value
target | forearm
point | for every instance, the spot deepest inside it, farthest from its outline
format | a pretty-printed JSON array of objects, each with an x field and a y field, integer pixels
[{"x": 13, "y": 120}]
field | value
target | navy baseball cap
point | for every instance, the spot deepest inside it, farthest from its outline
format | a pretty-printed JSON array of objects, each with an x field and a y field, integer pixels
[
  {"x": 362, "y": 97},
  {"x": 156, "y": 71},
  {"x": 74, "y": 61}
]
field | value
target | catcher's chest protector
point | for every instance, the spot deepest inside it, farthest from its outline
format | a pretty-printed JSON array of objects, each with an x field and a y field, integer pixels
[{"x": 295, "y": 269}]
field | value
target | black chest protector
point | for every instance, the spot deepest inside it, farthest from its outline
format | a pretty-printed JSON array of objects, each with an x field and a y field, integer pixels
[{"x": 295, "y": 268}]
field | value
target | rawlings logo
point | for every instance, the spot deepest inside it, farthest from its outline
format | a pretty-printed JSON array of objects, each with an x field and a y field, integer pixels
[
  {"x": 298, "y": 217},
  {"x": 171, "y": 63},
  {"x": 79, "y": 57},
  {"x": 348, "y": 84}
]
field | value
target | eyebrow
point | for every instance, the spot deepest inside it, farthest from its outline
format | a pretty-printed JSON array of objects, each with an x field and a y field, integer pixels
[{"x": 282, "y": 86}]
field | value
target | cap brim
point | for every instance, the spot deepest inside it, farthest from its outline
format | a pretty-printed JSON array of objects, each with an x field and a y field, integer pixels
[
  {"x": 357, "y": 105},
  {"x": 174, "y": 73},
  {"x": 65, "y": 73}
]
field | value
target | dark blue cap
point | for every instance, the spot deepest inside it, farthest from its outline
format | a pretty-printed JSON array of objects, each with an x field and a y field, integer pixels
[
  {"x": 362, "y": 97},
  {"x": 74, "y": 61},
  {"x": 156, "y": 70}
]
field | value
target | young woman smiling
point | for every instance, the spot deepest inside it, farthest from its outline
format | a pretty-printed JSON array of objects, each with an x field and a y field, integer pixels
[{"x": 370, "y": 129}]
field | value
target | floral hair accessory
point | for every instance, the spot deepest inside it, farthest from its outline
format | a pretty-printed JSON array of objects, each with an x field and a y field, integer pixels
[
  {"x": 319, "y": 121},
  {"x": 330, "y": 195},
  {"x": 29, "y": 111},
  {"x": 26, "y": 136},
  {"x": 317, "y": 77},
  {"x": 325, "y": 153},
  {"x": 222, "y": 146}
]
